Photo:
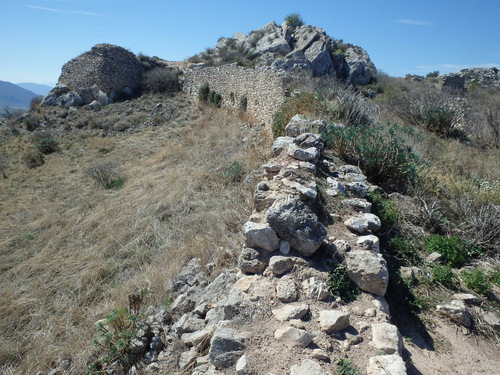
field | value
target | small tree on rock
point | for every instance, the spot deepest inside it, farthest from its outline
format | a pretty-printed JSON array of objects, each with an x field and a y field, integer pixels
[{"x": 294, "y": 20}]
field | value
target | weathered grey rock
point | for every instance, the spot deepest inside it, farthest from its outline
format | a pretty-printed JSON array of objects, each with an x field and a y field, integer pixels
[
  {"x": 369, "y": 242},
  {"x": 386, "y": 365},
  {"x": 188, "y": 323},
  {"x": 358, "y": 204},
  {"x": 308, "y": 140},
  {"x": 140, "y": 344},
  {"x": 368, "y": 270},
  {"x": 305, "y": 191},
  {"x": 293, "y": 337},
  {"x": 308, "y": 367},
  {"x": 319, "y": 57},
  {"x": 281, "y": 144},
  {"x": 357, "y": 224},
  {"x": 316, "y": 289},
  {"x": 333, "y": 320},
  {"x": 286, "y": 290},
  {"x": 491, "y": 319},
  {"x": 279, "y": 265},
  {"x": 349, "y": 168},
  {"x": 336, "y": 187},
  {"x": 156, "y": 344},
  {"x": 309, "y": 154},
  {"x": 187, "y": 357},
  {"x": 194, "y": 338},
  {"x": 457, "y": 312},
  {"x": 243, "y": 365},
  {"x": 361, "y": 69},
  {"x": 260, "y": 235},
  {"x": 284, "y": 248},
  {"x": 374, "y": 223},
  {"x": 341, "y": 247},
  {"x": 298, "y": 124},
  {"x": 290, "y": 311},
  {"x": 191, "y": 274},
  {"x": 386, "y": 338},
  {"x": 434, "y": 258},
  {"x": 469, "y": 299},
  {"x": 357, "y": 189},
  {"x": 249, "y": 261},
  {"x": 293, "y": 61},
  {"x": 320, "y": 354},
  {"x": 453, "y": 83},
  {"x": 295, "y": 223},
  {"x": 95, "y": 105},
  {"x": 226, "y": 347}
]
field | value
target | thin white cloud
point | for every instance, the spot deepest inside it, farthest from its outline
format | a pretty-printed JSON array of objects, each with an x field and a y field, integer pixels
[
  {"x": 67, "y": 11},
  {"x": 415, "y": 22}
]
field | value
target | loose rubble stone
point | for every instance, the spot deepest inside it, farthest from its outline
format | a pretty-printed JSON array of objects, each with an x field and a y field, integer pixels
[
  {"x": 369, "y": 242},
  {"x": 260, "y": 235},
  {"x": 358, "y": 204},
  {"x": 280, "y": 264},
  {"x": 243, "y": 365},
  {"x": 434, "y": 258},
  {"x": 308, "y": 367},
  {"x": 467, "y": 298},
  {"x": 293, "y": 337},
  {"x": 368, "y": 270},
  {"x": 281, "y": 144},
  {"x": 336, "y": 187},
  {"x": 286, "y": 290},
  {"x": 294, "y": 222},
  {"x": 357, "y": 189},
  {"x": 249, "y": 261},
  {"x": 386, "y": 337},
  {"x": 491, "y": 319},
  {"x": 333, "y": 320},
  {"x": 289, "y": 312},
  {"x": 386, "y": 365},
  {"x": 226, "y": 346},
  {"x": 357, "y": 224},
  {"x": 309, "y": 154},
  {"x": 188, "y": 323},
  {"x": 374, "y": 223},
  {"x": 284, "y": 247},
  {"x": 315, "y": 288},
  {"x": 457, "y": 312}
]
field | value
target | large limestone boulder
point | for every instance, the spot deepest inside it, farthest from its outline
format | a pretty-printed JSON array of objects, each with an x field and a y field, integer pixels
[
  {"x": 260, "y": 235},
  {"x": 361, "y": 69},
  {"x": 296, "y": 223},
  {"x": 319, "y": 57},
  {"x": 368, "y": 270}
]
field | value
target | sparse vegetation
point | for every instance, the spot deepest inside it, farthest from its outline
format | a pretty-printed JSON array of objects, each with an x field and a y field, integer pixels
[
  {"x": 452, "y": 249},
  {"x": 346, "y": 367},
  {"x": 161, "y": 80},
  {"x": 340, "y": 285},
  {"x": 477, "y": 281},
  {"x": 294, "y": 20},
  {"x": 443, "y": 275}
]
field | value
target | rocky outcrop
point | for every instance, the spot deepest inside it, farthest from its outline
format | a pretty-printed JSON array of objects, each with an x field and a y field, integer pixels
[
  {"x": 102, "y": 74},
  {"x": 305, "y": 50}
]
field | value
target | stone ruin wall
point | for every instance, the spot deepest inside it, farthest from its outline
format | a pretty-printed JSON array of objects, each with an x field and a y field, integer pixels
[
  {"x": 109, "y": 67},
  {"x": 265, "y": 89}
]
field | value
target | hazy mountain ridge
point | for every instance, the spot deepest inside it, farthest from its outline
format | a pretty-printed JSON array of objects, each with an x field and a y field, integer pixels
[
  {"x": 37, "y": 88},
  {"x": 15, "y": 96}
]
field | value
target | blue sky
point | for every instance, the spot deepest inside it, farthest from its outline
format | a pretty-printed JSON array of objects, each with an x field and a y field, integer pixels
[{"x": 38, "y": 36}]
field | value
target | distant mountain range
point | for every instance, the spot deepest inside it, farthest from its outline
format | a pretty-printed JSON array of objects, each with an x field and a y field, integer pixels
[{"x": 19, "y": 96}]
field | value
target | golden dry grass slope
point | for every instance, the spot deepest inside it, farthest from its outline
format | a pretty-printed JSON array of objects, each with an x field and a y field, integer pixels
[{"x": 71, "y": 250}]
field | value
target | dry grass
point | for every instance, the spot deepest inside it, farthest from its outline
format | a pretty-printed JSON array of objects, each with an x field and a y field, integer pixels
[{"x": 70, "y": 251}]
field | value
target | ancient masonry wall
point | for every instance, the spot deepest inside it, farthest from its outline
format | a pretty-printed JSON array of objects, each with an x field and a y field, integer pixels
[{"x": 264, "y": 88}]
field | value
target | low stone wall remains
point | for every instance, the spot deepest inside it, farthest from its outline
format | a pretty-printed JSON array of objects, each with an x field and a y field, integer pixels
[{"x": 265, "y": 89}]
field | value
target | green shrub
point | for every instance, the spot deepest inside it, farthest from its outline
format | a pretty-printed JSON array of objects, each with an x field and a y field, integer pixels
[
  {"x": 452, "y": 249},
  {"x": 439, "y": 120},
  {"x": 48, "y": 145},
  {"x": 294, "y": 20},
  {"x": 380, "y": 153},
  {"x": 105, "y": 174},
  {"x": 33, "y": 159},
  {"x": 203, "y": 92},
  {"x": 405, "y": 248},
  {"x": 340, "y": 285},
  {"x": 433, "y": 74},
  {"x": 495, "y": 276},
  {"x": 477, "y": 281},
  {"x": 345, "y": 367},
  {"x": 233, "y": 172},
  {"x": 385, "y": 209},
  {"x": 443, "y": 275}
]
